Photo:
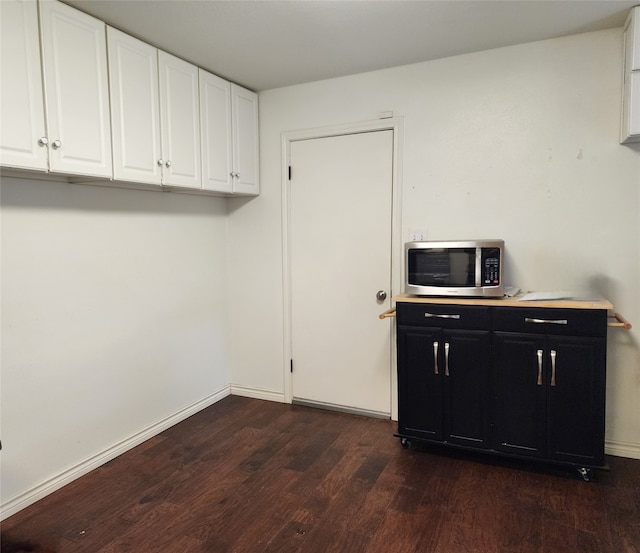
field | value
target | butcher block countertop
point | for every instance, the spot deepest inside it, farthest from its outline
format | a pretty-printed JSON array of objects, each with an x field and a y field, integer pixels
[{"x": 507, "y": 302}]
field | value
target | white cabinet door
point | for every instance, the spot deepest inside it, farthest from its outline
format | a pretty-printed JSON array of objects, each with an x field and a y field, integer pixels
[
  {"x": 215, "y": 133},
  {"x": 135, "y": 110},
  {"x": 76, "y": 89},
  {"x": 21, "y": 96},
  {"x": 244, "y": 109},
  {"x": 180, "y": 121},
  {"x": 630, "y": 127}
]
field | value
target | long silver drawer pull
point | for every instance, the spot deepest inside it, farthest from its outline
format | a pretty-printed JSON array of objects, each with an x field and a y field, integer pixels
[
  {"x": 553, "y": 367},
  {"x": 446, "y": 358},
  {"x": 435, "y": 358},
  {"x": 441, "y": 316},
  {"x": 539, "y": 353},
  {"x": 546, "y": 321}
]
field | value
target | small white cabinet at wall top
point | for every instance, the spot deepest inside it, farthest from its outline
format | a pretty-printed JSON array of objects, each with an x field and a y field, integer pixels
[
  {"x": 630, "y": 127},
  {"x": 244, "y": 111},
  {"x": 22, "y": 141},
  {"x": 180, "y": 121},
  {"x": 135, "y": 109},
  {"x": 229, "y": 135},
  {"x": 215, "y": 133},
  {"x": 74, "y": 73},
  {"x": 77, "y": 96}
]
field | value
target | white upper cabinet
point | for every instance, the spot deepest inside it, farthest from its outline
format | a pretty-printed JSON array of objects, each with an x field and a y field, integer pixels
[
  {"x": 246, "y": 165},
  {"x": 215, "y": 132},
  {"x": 21, "y": 96},
  {"x": 80, "y": 98},
  {"x": 135, "y": 109},
  {"x": 180, "y": 117},
  {"x": 630, "y": 127},
  {"x": 229, "y": 128},
  {"x": 76, "y": 90}
]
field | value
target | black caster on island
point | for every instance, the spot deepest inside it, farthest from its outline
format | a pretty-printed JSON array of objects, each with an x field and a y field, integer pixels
[
  {"x": 405, "y": 443},
  {"x": 586, "y": 473}
]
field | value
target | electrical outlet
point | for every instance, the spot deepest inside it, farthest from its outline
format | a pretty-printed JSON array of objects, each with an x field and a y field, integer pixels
[{"x": 417, "y": 235}]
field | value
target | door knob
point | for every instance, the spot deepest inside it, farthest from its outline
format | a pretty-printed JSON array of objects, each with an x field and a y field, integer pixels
[{"x": 381, "y": 295}]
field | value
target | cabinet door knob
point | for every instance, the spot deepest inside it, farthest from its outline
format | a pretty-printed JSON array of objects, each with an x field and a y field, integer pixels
[
  {"x": 381, "y": 295},
  {"x": 168, "y": 163},
  {"x": 43, "y": 141},
  {"x": 56, "y": 144},
  {"x": 160, "y": 162}
]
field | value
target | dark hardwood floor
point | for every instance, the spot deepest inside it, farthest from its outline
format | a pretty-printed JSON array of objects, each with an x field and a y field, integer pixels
[{"x": 246, "y": 475}]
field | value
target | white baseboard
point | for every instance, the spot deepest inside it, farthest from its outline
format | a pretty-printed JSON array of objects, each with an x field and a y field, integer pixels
[
  {"x": 622, "y": 449},
  {"x": 38, "y": 492},
  {"x": 257, "y": 393}
]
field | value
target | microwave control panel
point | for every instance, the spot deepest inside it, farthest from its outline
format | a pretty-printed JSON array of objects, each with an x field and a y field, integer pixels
[{"x": 490, "y": 266}]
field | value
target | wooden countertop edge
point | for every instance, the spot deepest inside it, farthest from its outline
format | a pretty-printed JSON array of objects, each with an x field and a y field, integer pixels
[{"x": 506, "y": 302}]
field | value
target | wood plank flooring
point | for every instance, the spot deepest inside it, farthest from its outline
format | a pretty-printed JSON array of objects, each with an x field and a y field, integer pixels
[{"x": 252, "y": 476}]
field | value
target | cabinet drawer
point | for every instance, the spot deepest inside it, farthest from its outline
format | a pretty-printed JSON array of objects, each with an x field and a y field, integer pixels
[
  {"x": 563, "y": 322},
  {"x": 443, "y": 316}
]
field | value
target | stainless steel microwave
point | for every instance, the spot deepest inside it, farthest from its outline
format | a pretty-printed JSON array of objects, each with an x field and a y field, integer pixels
[{"x": 469, "y": 268}]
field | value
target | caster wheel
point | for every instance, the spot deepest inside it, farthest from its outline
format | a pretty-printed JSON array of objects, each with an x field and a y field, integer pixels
[
  {"x": 585, "y": 473},
  {"x": 406, "y": 444}
]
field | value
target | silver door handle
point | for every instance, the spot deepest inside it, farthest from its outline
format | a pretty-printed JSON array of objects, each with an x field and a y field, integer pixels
[
  {"x": 446, "y": 358},
  {"x": 539, "y": 354},
  {"x": 553, "y": 367},
  {"x": 435, "y": 358},
  {"x": 441, "y": 316},
  {"x": 381, "y": 295},
  {"x": 546, "y": 321}
]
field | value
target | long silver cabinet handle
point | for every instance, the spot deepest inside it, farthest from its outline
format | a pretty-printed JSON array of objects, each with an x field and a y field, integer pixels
[
  {"x": 446, "y": 358},
  {"x": 546, "y": 321},
  {"x": 539, "y": 353},
  {"x": 553, "y": 367},
  {"x": 441, "y": 316},
  {"x": 435, "y": 358}
]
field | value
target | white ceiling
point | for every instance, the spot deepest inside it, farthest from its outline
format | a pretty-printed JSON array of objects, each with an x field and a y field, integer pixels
[{"x": 263, "y": 44}]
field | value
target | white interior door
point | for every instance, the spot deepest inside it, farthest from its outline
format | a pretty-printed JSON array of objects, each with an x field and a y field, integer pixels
[{"x": 340, "y": 257}]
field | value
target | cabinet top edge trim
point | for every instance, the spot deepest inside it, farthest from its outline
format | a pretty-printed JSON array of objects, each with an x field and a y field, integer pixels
[{"x": 507, "y": 302}]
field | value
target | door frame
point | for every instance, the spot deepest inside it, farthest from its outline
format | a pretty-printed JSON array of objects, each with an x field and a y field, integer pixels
[{"x": 395, "y": 124}]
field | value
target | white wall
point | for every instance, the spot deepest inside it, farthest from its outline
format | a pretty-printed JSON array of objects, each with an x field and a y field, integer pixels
[
  {"x": 519, "y": 143},
  {"x": 114, "y": 324}
]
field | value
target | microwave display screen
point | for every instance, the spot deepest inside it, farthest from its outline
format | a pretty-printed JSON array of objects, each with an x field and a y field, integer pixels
[{"x": 442, "y": 267}]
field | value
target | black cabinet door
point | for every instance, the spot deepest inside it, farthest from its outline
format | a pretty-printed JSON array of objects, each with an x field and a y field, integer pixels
[
  {"x": 520, "y": 393},
  {"x": 466, "y": 382},
  {"x": 420, "y": 398},
  {"x": 576, "y": 399}
]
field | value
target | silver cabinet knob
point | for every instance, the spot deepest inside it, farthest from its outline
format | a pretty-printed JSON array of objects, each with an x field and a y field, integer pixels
[
  {"x": 168, "y": 163},
  {"x": 235, "y": 175},
  {"x": 56, "y": 144},
  {"x": 381, "y": 295},
  {"x": 43, "y": 141},
  {"x": 160, "y": 162}
]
